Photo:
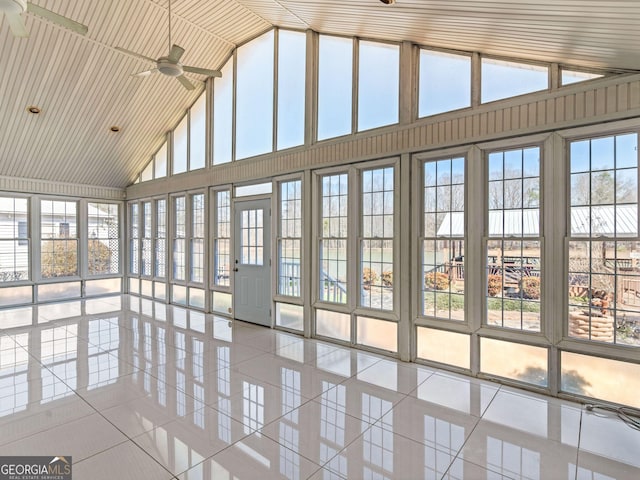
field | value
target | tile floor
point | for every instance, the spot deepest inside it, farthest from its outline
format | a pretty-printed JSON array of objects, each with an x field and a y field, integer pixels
[{"x": 134, "y": 389}]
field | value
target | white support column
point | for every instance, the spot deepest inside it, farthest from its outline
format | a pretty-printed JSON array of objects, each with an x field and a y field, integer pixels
[
  {"x": 408, "y": 83},
  {"x": 36, "y": 234},
  {"x": 476, "y": 80},
  {"x": 83, "y": 242},
  {"x": 407, "y": 231},
  {"x": 308, "y": 272},
  {"x": 554, "y": 230},
  {"x": 311, "y": 89},
  {"x": 475, "y": 254}
]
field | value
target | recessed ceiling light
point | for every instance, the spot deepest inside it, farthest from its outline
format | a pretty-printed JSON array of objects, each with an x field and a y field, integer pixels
[
  {"x": 388, "y": 2},
  {"x": 33, "y": 109},
  {"x": 115, "y": 128}
]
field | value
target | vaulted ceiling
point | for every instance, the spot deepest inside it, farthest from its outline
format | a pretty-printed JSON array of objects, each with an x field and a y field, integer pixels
[{"x": 83, "y": 85}]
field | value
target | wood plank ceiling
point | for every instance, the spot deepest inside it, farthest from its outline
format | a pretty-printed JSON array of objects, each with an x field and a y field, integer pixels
[{"x": 83, "y": 85}]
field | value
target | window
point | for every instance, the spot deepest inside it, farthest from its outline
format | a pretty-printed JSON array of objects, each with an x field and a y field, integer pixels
[
  {"x": 514, "y": 245},
  {"x": 161, "y": 238},
  {"x": 290, "y": 239},
  {"x": 134, "y": 236},
  {"x": 254, "y": 97},
  {"x": 333, "y": 239},
  {"x": 604, "y": 275},
  {"x": 378, "y": 94},
  {"x": 14, "y": 239},
  {"x": 443, "y": 245},
  {"x": 147, "y": 253},
  {"x": 59, "y": 241},
  {"x": 147, "y": 173},
  {"x": 502, "y": 79},
  {"x": 160, "y": 160},
  {"x": 223, "y": 115},
  {"x": 180, "y": 146},
  {"x": 180, "y": 226},
  {"x": 103, "y": 238},
  {"x": 222, "y": 239},
  {"x": 576, "y": 76},
  {"x": 196, "y": 261},
  {"x": 445, "y": 82},
  {"x": 376, "y": 245},
  {"x": 291, "y": 88},
  {"x": 198, "y": 133},
  {"x": 335, "y": 74}
]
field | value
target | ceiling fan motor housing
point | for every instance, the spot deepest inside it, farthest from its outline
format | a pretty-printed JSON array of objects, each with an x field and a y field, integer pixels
[
  {"x": 167, "y": 67},
  {"x": 13, "y": 6}
]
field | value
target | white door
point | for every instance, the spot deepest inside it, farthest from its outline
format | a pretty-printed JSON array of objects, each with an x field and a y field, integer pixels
[{"x": 252, "y": 265}]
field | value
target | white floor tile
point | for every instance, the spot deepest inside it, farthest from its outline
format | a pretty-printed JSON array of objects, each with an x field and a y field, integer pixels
[
  {"x": 123, "y": 462},
  {"x": 80, "y": 439},
  {"x": 156, "y": 391}
]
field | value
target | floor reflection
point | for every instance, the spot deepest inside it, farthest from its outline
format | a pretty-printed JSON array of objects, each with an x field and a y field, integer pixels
[{"x": 195, "y": 396}]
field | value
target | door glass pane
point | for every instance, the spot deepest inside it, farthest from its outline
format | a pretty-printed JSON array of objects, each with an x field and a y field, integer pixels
[{"x": 252, "y": 237}]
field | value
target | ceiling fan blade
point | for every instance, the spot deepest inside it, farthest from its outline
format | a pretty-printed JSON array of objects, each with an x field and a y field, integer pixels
[
  {"x": 57, "y": 19},
  {"x": 176, "y": 53},
  {"x": 134, "y": 54},
  {"x": 16, "y": 24},
  {"x": 202, "y": 71},
  {"x": 185, "y": 82},
  {"x": 145, "y": 73}
]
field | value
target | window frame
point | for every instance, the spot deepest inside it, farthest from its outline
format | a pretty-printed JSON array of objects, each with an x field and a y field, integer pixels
[
  {"x": 352, "y": 307},
  {"x": 23, "y": 241},
  {"x": 422, "y": 320},
  {"x": 444, "y": 51},
  {"x": 523, "y": 144},
  {"x": 213, "y": 237},
  {"x": 572, "y": 344},
  {"x": 79, "y": 237},
  {"x": 277, "y": 236},
  {"x": 119, "y": 273}
]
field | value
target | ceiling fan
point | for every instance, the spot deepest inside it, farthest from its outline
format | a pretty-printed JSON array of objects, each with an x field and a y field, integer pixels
[
  {"x": 13, "y": 10},
  {"x": 170, "y": 65}
]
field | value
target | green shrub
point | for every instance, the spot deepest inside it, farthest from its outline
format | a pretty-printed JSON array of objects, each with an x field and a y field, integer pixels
[
  {"x": 530, "y": 287},
  {"x": 494, "y": 284},
  {"x": 437, "y": 281}
]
